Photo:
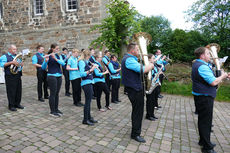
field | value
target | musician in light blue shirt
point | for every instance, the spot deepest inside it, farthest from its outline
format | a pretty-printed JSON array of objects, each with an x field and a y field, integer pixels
[
  {"x": 86, "y": 72},
  {"x": 37, "y": 61},
  {"x": 161, "y": 62},
  {"x": 75, "y": 77},
  {"x": 100, "y": 84},
  {"x": 54, "y": 78}
]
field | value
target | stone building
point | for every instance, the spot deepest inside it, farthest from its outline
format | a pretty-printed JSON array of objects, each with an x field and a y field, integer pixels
[{"x": 27, "y": 23}]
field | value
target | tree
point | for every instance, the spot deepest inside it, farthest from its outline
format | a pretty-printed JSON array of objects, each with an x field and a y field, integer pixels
[
  {"x": 212, "y": 17},
  {"x": 117, "y": 27},
  {"x": 159, "y": 28}
]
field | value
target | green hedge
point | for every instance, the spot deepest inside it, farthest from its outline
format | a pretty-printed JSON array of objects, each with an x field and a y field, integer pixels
[{"x": 177, "y": 88}]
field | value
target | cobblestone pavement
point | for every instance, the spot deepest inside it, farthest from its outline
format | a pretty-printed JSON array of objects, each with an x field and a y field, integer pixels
[{"x": 34, "y": 130}]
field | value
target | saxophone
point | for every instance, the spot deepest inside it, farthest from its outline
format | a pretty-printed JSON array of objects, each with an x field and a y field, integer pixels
[{"x": 154, "y": 82}]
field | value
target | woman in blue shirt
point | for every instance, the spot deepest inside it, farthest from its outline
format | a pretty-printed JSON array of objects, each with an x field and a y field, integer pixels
[
  {"x": 86, "y": 83},
  {"x": 54, "y": 78},
  {"x": 152, "y": 99},
  {"x": 74, "y": 77},
  {"x": 100, "y": 84}
]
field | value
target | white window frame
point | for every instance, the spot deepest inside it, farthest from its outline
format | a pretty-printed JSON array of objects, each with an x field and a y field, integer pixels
[
  {"x": 35, "y": 8},
  {"x": 67, "y": 6}
]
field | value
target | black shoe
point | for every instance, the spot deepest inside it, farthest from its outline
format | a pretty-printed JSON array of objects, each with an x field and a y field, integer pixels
[
  {"x": 94, "y": 97},
  {"x": 160, "y": 96},
  {"x": 115, "y": 102},
  {"x": 159, "y": 107},
  {"x": 213, "y": 144},
  {"x": 138, "y": 139},
  {"x": 46, "y": 97},
  {"x": 55, "y": 115},
  {"x": 67, "y": 94},
  {"x": 92, "y": 120},
  {"x": 118, "y": 101},
  {"x": 79, "y": 104},
  {"x": 41, "y": 100},
  {"x": 155, "y": 117},
  {"x": 59, "y": 112},
  {"x": 88, "y": 123},
  {"x": 19, "y": 107},
  {"x": 208, "y": 151},
  {"x": 150, "y": 118},
  {"x": 13, "y": 109}
]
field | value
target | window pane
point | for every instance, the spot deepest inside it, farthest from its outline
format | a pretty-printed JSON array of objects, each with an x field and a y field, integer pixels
[
  {"x": 38, "y": 6},
  {"x": 72, "y": 4}
]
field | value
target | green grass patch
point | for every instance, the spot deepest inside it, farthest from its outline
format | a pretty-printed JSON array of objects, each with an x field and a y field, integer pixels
[{"x": 178, "y": 88}]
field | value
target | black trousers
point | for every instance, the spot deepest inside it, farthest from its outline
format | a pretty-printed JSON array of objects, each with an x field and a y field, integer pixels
[
  {"x": 67, "y": 81},
  {"x": 76, "y": 89},
  {"x": 101, "y": 86},
  {"x": 156, "y": 93},
  {"x": 137, "y": 100},
  {"x": 13, "y": 89},
  {"x": 42, "y": 80},
  {"x": 204, "y": 106},
  {"x": 151, "y": 102},
  {"x": 55, "y": 86},
  {"x": 161, "y": 78},
  {"x": 115, "y": 89},
  {"x": 88, "y": 90},
  {"x": 107, "y": 81}
]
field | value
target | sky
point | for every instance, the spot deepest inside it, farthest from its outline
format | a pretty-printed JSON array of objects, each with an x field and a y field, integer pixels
[{"x": 170, "y": 9}]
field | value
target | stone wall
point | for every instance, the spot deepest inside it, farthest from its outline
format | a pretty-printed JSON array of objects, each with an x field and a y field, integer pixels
[{"x": 19, "y": 26}]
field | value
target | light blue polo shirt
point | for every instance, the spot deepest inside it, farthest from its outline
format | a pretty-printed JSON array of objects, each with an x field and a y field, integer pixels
[
  {"x": 73, "y": 63},
  {"x": 60, "y": 61},
  {"x": 132, "y": 64},
  {"x": 83, "y": 73},
  {"x": 206, "y": 73}
]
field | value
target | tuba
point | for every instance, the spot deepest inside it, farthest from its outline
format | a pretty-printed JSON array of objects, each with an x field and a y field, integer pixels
[
  {"x": 214, "y": 48},
  {"x": 143, "y": 39},
  {"x": 19, "y": 58}
]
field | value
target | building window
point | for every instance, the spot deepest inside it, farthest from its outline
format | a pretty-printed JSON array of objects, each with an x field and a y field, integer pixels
[
  {"x": 38, "y": 7},
  {"x": 1, "y": 11},
  {"x": 71, "y": 5}
]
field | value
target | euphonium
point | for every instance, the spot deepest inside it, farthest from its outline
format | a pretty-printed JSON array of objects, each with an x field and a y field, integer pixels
[
  {"x": 19, "y": 58},
  {"x": 213, "y": 50}
]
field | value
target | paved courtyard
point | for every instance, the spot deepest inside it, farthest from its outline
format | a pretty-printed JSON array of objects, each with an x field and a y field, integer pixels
[{"x": 34, "y": 130}]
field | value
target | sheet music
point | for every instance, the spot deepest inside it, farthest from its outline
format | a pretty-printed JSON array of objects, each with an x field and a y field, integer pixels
[
  {"x": 222, "y": 60},
  {"x": 25, "y": 52}
]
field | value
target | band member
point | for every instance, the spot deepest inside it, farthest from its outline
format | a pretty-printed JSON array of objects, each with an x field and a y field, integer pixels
[
  {"x": 152, "y": 99},
  {"x": 106, "y": 62},
  {"x": 13, "y": 81},
  {"x": 37, "y": 61},
  {"x": 115, "y": 79},
  {"x": 75, "y": 78},
  {"x": 109, "y": 66},
  {"x": 100, "y": 84},
  {"x": 161, "y": 62},
  {"x": 92, "y": 60},
  {"x": 54, "y": 78},
  {"x": 204, "y": 90},
  {"x": 86, "y": 72},
  {"x": 65, "y": 57},
  {"x": 132, "y": 71}
]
